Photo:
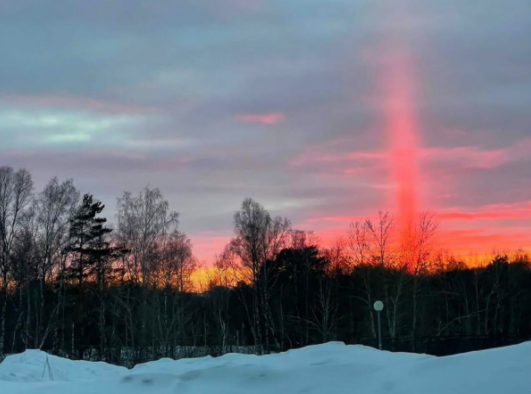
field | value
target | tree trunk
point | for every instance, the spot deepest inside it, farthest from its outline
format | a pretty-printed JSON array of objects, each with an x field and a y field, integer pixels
[
  {"x": 3, "y": 317},
  {"x": 414, "y": 315}
]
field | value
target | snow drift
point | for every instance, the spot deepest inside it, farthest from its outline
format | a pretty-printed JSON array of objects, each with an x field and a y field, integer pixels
[
  {"x": 30, "y": 366},
  {"x": 329, "y": 368}
]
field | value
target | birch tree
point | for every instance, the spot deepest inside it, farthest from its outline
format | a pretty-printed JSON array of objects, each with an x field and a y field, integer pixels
[
  {"x": 53, "y": 207},
  {"x": 259, "y": 238},
  {"x": 15, "y": 199},
  {"x": 143, "y": 221}
]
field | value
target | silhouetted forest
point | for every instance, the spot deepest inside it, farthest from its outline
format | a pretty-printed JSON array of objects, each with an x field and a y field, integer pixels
[{"x": 75, "y": 286}]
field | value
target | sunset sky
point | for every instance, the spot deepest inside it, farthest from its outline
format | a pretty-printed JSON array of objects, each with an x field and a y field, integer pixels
[{"x": 324, "y": 111}]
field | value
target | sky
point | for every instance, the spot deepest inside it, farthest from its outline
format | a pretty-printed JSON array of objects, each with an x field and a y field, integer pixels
[{"x": 324, "y": 111}]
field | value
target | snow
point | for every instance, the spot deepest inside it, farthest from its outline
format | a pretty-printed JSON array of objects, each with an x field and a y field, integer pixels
[
  {"x": 329, "y": 368},
  {"x": 30, "y": 365}
]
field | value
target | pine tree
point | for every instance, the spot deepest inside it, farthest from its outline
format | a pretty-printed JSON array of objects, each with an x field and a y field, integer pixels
[{"x": 90, "y": 255}]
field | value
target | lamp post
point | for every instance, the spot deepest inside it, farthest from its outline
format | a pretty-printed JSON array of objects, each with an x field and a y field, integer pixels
[{"x": 378, "y": 307}]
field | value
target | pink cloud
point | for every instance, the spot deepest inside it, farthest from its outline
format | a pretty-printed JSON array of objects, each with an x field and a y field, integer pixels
[
  {"x": 519, "y": 211},
  {"x": 271, "y": 118},
  {"x": 345, "y": 218},
  {"x": 477, "y": 157},
  {"x": 469, "y": 156},
  {"x": 477, "y": 215},
  {"x": 466, "y": 156},
  {"x": 76, "y": 102},
  {"x": 329, "y": 152}
]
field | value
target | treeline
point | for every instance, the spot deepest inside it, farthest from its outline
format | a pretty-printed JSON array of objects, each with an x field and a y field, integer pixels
[{"x": 75, "y": 286}]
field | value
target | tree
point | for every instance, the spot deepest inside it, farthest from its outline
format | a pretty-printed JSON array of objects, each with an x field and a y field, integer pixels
[
  {"x": 303, "y": 291},
  {"x": 143, "y": 222},
  {"x": 380, "y": 237},
  {"x": 258, "y": 238},
  {"x": 361, "y": 259},
  {"x": 417, "y": 248},
  {"x": 23, "y": 266},
  {"x": 381, "y": 234},
  {"x": 54, "y": 208},
  {"x": 90, "y": 253},
  {"x": 15, "y": 199},
  {"x": 177, "y": 264},
  {"x": 177, "y": 261}
]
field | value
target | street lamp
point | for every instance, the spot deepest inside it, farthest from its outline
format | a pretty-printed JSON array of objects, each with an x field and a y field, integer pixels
[{"x": 378, "y": 307}]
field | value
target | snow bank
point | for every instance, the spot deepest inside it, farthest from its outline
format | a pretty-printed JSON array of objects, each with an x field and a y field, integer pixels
[
  {"x": 329, "y": 368},
  {"x": 31, "y": 366}
]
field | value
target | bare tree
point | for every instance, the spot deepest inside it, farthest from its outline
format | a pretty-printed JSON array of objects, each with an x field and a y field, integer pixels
[
  {"x": 259, "y": 238},
  {"x": 381, "y": 234},
  {"x": 358, "y": 243},
  {"x": 380, "y": 237},
  {"x": 15, "y": 198},
  {"x": 143, "y": 221},
  {"x": 178, "y": 262},
  {"x": 54, "y": 207},
  {"x": 23, "y": 271},
  {"x": 360, "y": 256},
  {"x": 325, "y": 311},
  {"x": 417, "y": 248},
  {"x": 220, "y": 282},
  {"x": 177, "y": 265}
]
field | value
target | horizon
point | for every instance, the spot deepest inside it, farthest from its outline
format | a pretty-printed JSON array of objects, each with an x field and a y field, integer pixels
[{"x": 324, "y": 114}]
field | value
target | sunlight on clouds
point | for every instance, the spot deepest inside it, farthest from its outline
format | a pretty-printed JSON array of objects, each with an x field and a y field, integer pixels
[
  {"x": 288, "y": 204},
  {"x": 168, "y": 143},
  {"x": 68, "y": 138},
  {"x": 62, "y": 128}
]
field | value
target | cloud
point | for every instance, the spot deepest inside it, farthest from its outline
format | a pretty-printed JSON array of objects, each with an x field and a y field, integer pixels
[
  {"x": 468, "y": 156},
  {"x": 346, "y": 219},
  {"x": 108, "y": 163},
  {"x": 22, "y": 127},
  {"x": 517, "y": 211},
  {"x": 118, "y": 99},
  {"x": 70, "y": 102},
  {"x": 478, "y": 215},
  {"x": 271, "y": 118},
  {"x": 478, "y": 157}
]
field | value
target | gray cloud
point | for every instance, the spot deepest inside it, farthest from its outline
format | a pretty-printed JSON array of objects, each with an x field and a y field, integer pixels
[{"x": 118, "y": 94}]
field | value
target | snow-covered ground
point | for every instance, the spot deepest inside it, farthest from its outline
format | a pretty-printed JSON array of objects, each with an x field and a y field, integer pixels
[{"x": 329, "y": 368}]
